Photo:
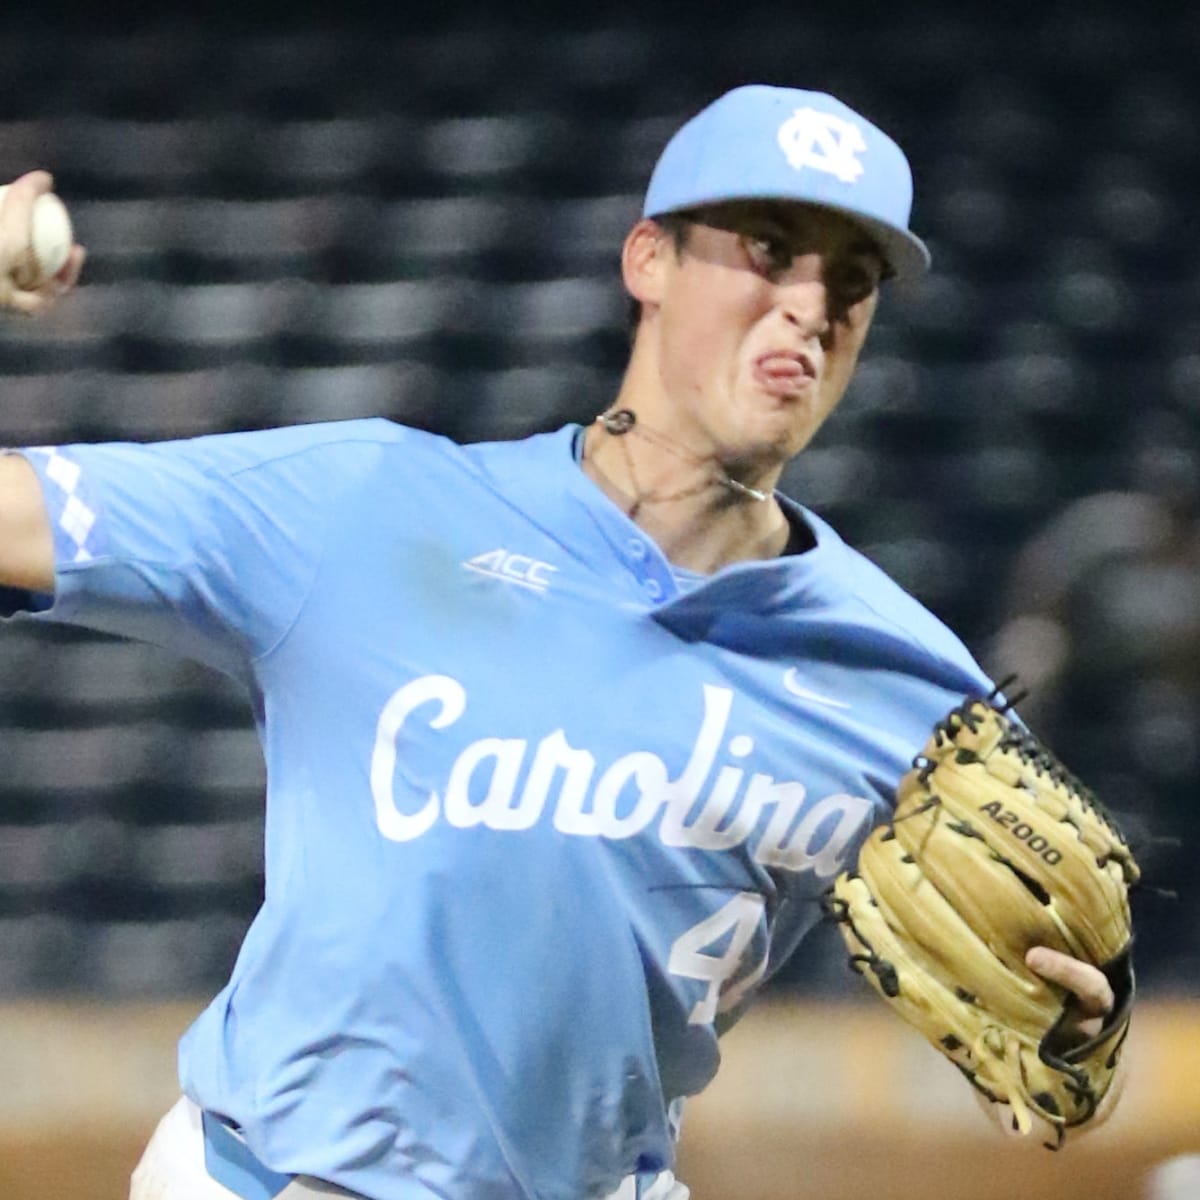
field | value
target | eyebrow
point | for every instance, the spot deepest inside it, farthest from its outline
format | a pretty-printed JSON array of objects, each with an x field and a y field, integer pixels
[{"x": 795, "y": 227}]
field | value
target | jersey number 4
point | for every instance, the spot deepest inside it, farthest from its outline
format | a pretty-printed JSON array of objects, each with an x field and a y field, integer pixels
[{"x": 697, "y": 954}]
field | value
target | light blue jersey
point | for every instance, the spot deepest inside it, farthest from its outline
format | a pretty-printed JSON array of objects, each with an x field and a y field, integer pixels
[{"x": 538, "y": 823}]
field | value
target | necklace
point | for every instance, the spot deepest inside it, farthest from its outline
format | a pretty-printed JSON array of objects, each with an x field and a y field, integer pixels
[{"x": 619, "y": 421}]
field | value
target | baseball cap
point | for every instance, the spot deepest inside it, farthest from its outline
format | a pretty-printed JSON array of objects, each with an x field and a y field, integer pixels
[{"x": 771, "y": 143}]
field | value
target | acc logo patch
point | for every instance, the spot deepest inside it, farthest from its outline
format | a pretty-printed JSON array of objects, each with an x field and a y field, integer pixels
[{"x": 520, "y": 569}]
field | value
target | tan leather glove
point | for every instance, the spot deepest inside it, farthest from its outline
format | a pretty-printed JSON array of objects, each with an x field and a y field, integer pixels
[{"x": 996, "y": 848}]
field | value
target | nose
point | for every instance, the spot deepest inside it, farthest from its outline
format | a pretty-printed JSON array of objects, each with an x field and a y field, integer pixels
[
  {"x": 805, "y": 306},
  {"x": 803, "y": 297}
]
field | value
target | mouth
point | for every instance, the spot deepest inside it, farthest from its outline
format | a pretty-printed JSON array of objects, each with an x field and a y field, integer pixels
[{"x": 785, "y": 372}]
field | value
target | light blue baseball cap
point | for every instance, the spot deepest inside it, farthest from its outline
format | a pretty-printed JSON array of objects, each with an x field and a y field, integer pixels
[{"x": 772, "y": 143}]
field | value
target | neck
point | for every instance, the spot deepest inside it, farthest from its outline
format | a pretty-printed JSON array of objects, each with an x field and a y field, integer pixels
[{"x": 702, "y": 514}]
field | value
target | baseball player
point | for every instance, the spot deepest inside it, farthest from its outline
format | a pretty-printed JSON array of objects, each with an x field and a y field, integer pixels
[{"x": 565, "y": 737}]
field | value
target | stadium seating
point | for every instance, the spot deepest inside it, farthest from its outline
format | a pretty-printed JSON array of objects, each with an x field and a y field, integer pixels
[{"x": 424, "y": 223}]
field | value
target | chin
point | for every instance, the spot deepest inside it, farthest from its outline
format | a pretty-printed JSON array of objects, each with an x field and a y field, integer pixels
[
  {"x": 751, "y": 452},
  {"x": 767, "y": 439}
]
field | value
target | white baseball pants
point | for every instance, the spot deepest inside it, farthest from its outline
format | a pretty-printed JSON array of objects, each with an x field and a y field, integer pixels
[{"x": 172, "y": 1167}]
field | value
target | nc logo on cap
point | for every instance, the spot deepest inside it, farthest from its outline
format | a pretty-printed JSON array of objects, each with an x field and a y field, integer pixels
[{"x": 823, "y": 142}]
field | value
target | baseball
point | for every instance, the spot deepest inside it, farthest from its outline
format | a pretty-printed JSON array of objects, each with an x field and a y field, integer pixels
[{"x": 51, "y": 239}]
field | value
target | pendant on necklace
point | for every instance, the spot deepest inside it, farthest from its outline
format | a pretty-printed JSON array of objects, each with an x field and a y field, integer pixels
[
  {"x": 742, "y": 489},
  {"x": 618, "y": 421}
]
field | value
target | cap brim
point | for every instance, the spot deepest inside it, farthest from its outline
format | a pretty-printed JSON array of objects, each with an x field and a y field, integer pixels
[
  {"x": 904, "y": 252},
  {"x": 906, "y": 255}
]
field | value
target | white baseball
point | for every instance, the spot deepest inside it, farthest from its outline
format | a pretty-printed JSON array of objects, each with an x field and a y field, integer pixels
[{"x": 51, "y": 239}]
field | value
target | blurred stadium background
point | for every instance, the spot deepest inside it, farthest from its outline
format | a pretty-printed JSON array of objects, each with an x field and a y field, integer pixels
[{"x": 417, "y": 214}]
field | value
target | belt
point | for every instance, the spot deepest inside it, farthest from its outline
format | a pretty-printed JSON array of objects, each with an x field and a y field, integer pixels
[{"x": 232, "y": 1164}]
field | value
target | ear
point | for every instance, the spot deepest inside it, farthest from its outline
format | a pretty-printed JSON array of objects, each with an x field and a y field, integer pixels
[{"x": 643, "y": 260}]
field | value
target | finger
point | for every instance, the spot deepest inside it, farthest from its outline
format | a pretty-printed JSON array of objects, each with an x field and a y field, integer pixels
[
  {"x": 1092, "y": 990},
  {"x": 16, "y": 225},
  {"x": 38, "y": 182},
  {"x": 28, "y": 304},
  {"x": 32, "y": 302},
  {"x": 68, "y": 276},
  {"x": 18, "y": 202},
  {"x": 31, "y": 185}
]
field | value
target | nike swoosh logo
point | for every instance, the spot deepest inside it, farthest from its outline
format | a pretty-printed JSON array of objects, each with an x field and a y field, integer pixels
[{"x": 791, "y": 681}]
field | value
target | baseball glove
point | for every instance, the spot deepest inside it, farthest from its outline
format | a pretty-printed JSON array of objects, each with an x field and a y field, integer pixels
[{"x": 995, "y": 848}]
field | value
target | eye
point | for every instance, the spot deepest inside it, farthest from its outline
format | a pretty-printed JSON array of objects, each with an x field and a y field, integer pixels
[
  {"x": 769, "y": 253},
  {"x": 850, "y": 283}
]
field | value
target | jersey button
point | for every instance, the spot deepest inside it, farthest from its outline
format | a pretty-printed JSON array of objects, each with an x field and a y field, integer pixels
[
  {"x": 653, "y": 588},
  {"x": 637, "y": 550}
]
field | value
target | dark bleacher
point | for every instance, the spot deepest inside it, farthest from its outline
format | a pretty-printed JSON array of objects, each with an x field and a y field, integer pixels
[{"x": 423, "y": 222}]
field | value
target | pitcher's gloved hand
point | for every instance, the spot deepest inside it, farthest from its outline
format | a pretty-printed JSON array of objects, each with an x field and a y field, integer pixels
[{"x": 993, "y": 914}]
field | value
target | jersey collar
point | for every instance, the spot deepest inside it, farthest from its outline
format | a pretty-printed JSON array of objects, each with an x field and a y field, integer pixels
[{"x": 766, "y": 587}]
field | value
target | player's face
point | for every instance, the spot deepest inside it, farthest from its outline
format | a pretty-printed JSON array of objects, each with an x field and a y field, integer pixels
[{"x": 760, "y": 322}]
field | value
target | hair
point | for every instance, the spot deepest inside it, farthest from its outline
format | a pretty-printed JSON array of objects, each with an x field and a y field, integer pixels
[{"x": 677, "y": 225}]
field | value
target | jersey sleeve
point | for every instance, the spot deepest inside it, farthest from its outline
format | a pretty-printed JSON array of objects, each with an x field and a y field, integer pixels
[{"x": 206, "y": 546}]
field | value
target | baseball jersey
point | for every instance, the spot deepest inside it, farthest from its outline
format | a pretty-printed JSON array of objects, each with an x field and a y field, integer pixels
[{"x": 539, "y": 819}]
